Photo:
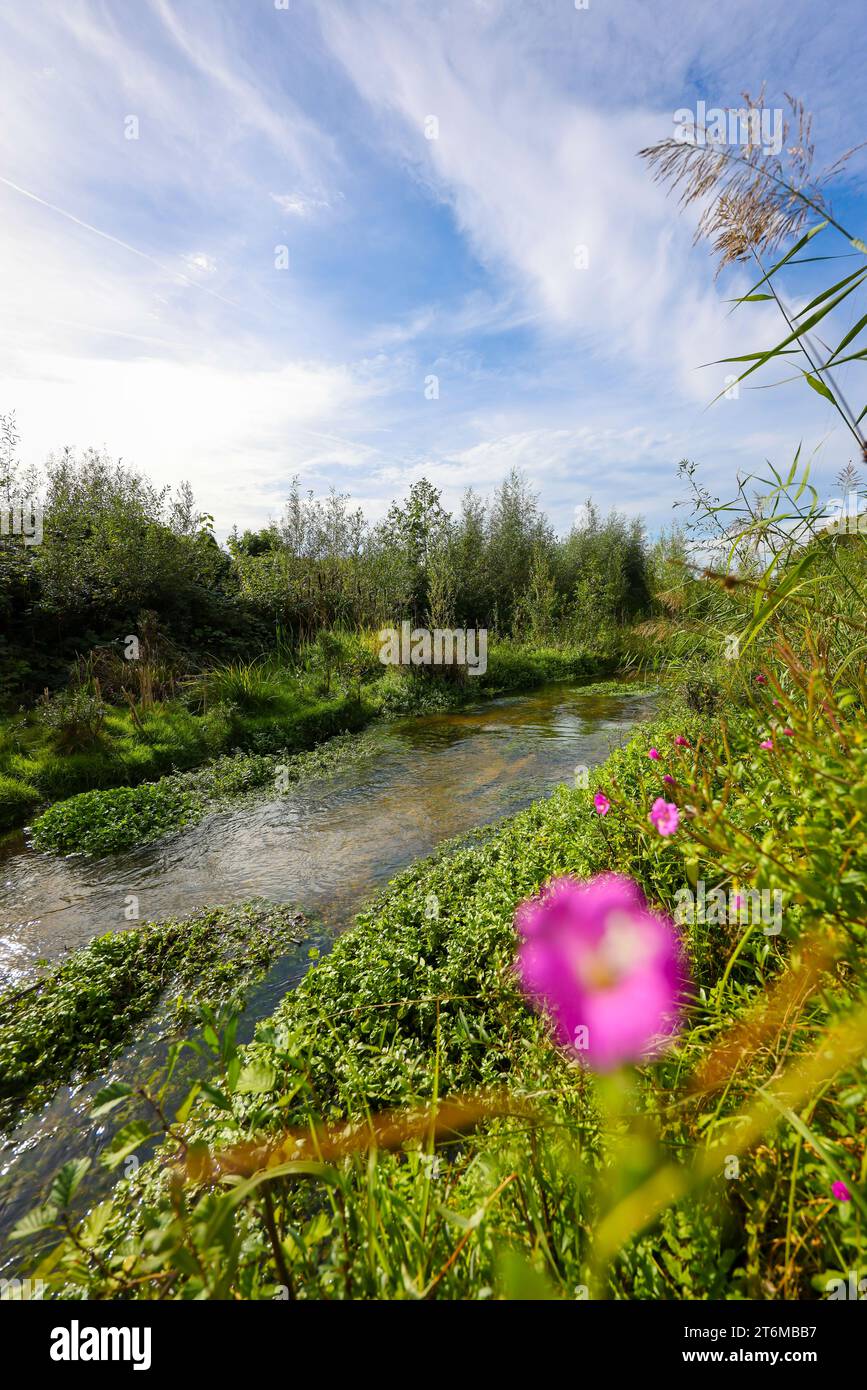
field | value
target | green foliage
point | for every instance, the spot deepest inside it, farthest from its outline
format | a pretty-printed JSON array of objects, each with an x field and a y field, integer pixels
[
  {"x": 79, "y": 1014},
  {"x": 418, "y": 1002},
  {"x": 74, "y": 719},
  {"x": 105, "y": 822},
  {"x": 17, "y": 799},
  {"x": 248, "y": 686},
  {"x": 100, "y": 822}
]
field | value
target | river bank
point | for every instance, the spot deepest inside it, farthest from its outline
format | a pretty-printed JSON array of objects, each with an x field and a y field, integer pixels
[
  {"x": 257, "y": 709},
  {"x": 522, "y": 1185},
  {"x": 324, "y": 846}
]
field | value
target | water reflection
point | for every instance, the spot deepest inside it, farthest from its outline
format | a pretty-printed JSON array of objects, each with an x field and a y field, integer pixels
[{"x": 328, "y": 844}]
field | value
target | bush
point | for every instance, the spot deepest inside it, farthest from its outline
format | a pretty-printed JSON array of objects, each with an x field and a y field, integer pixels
[{"x": 74, "y": 719}]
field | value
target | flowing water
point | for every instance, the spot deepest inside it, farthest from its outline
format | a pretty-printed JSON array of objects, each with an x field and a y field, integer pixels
[{"x": 325, "y": 846}]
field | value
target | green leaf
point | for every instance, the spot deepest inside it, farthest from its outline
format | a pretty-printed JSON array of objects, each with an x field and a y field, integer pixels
[
  {"x": 95, "y": 1222},
  {"x": 819, "y": 386},
  {"x": 256, "y": 1079},
  {"x": 109, "y": 1097},
  {"x": 125, "y": 1142},
  {"x": 67, "y": 1182},
  {"x": 40, "y": 1219}
]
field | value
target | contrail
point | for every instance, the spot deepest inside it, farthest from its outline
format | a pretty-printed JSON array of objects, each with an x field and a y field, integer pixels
[{"x": 167, "y": 270}]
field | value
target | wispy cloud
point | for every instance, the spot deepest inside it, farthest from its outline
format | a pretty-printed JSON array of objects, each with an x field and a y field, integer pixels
[{"x": 266, "y": 272}]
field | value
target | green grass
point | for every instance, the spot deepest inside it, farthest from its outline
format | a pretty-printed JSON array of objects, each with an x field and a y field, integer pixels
[
  {"x": 101, "y": 804},
  {"x": 541, "y": 1195}
]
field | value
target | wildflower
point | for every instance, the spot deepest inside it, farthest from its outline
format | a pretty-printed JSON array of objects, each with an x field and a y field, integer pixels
[
  {"x": 761, "y": 680},
  {"x": 653, "y": 753},
  {"x": 665, "y": 816},
  {"x": 668, "y": 779},
  {"x": 681, "y": 742},
  {"x": 841, "y": 1192},
  {"x": 606, "y": 969},
  {"x": 602, "y": 804},
  {"x": 766, "y": 743},
  {"x": 789, "y": 733}
]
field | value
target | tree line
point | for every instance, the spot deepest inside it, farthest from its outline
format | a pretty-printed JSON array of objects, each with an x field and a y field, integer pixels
[{"x": 114, "y": 546}]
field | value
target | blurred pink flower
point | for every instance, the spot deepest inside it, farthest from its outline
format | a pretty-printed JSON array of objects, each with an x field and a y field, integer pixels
[
  {"x": 653, "y": 753},
  {"x": 665, "y": 816},
  {"x": 841, "y": 1192},
  {"x": 602, "y": 804},
  {"x": 681, "y": 741},
  {"x": 766, "y": 743},
  {"x": 789, "y": 733},
  {"x": 607, "y": 970},
  {"x": 668, "y": 779},
  {"x": 761, "y": 680}
]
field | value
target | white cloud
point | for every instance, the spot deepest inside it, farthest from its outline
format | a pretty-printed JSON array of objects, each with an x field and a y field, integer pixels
[
  {"x": 299, "y": 204},
  {"x": 237, "y": 434},
  {"x": 533, "y": 172}
]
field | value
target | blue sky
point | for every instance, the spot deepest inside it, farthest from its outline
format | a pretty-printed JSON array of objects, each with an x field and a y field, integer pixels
[{"x": 144, "y": 311}]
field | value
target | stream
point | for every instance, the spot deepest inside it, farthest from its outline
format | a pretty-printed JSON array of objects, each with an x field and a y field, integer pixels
[{"x": 325, "y": 846}]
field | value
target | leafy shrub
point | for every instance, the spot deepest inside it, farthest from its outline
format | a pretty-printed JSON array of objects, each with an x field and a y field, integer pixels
[{"x": 74, "y": 719}]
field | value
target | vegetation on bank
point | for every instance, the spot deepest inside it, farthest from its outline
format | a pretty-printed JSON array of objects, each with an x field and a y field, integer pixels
[
  {"x": 270, "y": 711},
  {"x": 405, "y": 1126},
  {"x": 77, "y": 1017},
  {"x": 133, "y": 645},
  {"x": 104, "y": 822}
]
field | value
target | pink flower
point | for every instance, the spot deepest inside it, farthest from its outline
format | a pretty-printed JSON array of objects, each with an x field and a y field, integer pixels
[
  {"x": 766, "y": 743},
  {"x": 789, "y": 733},
  {"x": 668, "y": 779},
  {"x": 681, "y": 741},
  {"x": 653, "y": 753},
  {"x": 776, "y": 703},
  {"x": 602, "y": 804},
  {"x": 761, "y": 680},
  {"x": 608, "y": 972},
  {"x": 665, "y": 816},
  {"x": 841, "y": 1192}
]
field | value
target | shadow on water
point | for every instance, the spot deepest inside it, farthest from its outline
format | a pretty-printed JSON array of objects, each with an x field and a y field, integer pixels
[{"x": 324, "y": 847}]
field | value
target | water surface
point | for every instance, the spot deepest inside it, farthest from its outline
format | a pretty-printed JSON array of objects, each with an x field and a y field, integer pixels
[{"x": 325, "y": 846}]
